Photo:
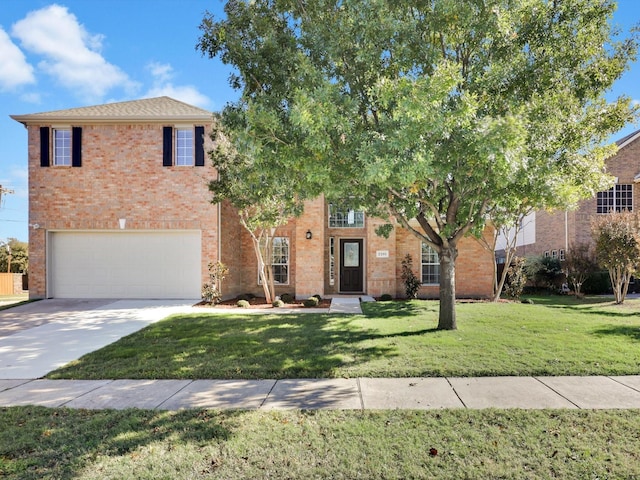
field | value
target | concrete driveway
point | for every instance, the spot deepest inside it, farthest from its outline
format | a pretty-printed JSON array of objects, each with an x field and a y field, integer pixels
[{"x": 39, "y": 337}]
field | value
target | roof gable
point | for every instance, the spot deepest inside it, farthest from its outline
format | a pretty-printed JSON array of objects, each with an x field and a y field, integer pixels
[
  {"x": 154, "y": 110},
  {"x": 624, "y": 141}
]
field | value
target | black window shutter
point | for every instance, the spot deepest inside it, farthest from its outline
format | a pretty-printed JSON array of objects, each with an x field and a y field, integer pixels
[
  {"x": 199, "y": 146},
  {"x": 44, "y": 146},
  {"x": 76, "y": 147},
  {"x": 167, "y": 146}
]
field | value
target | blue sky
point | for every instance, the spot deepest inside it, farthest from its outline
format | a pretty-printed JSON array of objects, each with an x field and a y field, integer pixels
[{"x": 74, "y": 53}]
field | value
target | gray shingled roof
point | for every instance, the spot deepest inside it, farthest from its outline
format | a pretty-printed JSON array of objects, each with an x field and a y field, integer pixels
[
  {"x": 629, "y": 138},
  {"x": 160, "y": 109}
]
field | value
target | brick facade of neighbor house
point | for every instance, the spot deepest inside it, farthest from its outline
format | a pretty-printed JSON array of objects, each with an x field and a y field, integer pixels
[
  {"x": 121, "y": 186},
  {"x": 557, "y": 231}
]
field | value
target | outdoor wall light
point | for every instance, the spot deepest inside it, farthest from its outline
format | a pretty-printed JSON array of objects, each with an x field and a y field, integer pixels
[{"x": 309, "y": 235}]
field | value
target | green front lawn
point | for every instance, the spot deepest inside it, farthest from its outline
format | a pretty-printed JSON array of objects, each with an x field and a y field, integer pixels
[
  {"x": 37, "y": 443},
  {"x": 555, "y": 336}
]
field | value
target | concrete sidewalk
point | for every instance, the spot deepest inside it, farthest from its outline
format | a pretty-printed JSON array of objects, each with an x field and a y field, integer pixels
[{"x": 351, "y": 394}]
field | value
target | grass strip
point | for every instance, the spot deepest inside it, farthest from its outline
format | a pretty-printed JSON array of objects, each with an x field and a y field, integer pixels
[{"x": 37, "y": 443}]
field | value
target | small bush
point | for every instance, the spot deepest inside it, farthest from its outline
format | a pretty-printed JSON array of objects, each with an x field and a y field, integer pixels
[
  {"x": 243, "y": 303},
  {"x": 278, "y": 303},
  {"x": 287, "y": 298},
  {"x": 386, "y": 297},
  {"x": 411, "y": 282},
  {"x": 318, "y": 297},
  {"x": 311, "y": 302},
  {"x": 244, "y": 296}
]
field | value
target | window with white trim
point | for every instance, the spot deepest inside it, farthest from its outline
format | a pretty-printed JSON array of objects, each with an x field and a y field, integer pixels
[
  {"x": 616, "y": 199},
  {"x": 430, "y": 266},
  {"x": 62, "y": 146},
  {"x": 348, "y": 218},
  {"x": 184, "y": 146},
  {"x": 554, "y": 254},
  {"x": 562, "y": 255},
  {"x": 279, "y": 261}
]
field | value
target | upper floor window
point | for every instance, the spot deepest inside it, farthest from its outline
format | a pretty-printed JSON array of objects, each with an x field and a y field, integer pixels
[
  {"x": 430, "y": 266},
  {"x": 616, "y": 199},
  {"x": 183, "y": 146},
  {"x": 345, "y": 218},
  {"x": 62, "y": 146}
]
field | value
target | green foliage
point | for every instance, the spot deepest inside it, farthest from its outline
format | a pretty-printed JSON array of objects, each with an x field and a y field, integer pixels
[
  {"x": 410, "y": 280},
  {"x": 579, "y": 263},
  {"x": 385, "y": 297},
  {"x": 617, "y": 237},
  {"x": 440, "y": 112},
  {"x": 212, "y": 292},
  {"x": 278, "y": 303},
  {"x": 311, "y": 302},
  {"x": 243, "y": 304},
  {"x": 19, "y": 256},
  {"x": 545, "y": 272},
  {"x": 318, "y": 296},
  {"x": 516, "y": 278},
  {"x": 598, "y": 283},
  {"x": 287, "y": 298}
]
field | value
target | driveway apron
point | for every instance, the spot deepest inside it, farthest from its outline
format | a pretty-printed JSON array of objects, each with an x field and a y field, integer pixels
[{"x": 64, "y": 330}]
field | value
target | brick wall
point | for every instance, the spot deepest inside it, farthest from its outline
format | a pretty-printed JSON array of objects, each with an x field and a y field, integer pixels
[
  {"x": 121, "y": 177},
  {"x": 474, "y": 266},
  {"x": 550, "y": 226}
]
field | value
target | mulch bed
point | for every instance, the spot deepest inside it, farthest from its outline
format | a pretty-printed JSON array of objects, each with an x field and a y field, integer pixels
[{"x": 259, "y": 302}]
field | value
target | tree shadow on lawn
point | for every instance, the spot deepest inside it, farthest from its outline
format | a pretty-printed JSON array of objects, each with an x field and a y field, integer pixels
[
  {"x": 240, "y": 347},
  {"x": 73, "y": 439},
  {"x": 630, "y": 331}
]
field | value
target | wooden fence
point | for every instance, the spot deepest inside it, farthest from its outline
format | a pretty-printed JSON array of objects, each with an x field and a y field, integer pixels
[{"x": 10, "y": 283}]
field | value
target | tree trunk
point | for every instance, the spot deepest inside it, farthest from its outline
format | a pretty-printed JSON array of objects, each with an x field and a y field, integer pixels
[{"x": 447, "y": 319}]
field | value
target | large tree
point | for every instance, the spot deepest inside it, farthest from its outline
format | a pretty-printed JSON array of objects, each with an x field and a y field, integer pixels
[{"x": 433, "y": 111}]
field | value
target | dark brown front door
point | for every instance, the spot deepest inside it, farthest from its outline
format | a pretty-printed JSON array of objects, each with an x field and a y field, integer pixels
[{"x": 351, "y": 270}]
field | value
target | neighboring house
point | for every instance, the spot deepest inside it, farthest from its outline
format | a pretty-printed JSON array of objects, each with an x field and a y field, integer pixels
[
  {"x": 119, "y": 207},
  {"x": 552, "y": 234}
]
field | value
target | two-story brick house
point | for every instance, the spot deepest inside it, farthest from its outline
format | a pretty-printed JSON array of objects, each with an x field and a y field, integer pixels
[
  {"x": 552, "y": 234},
  {"x": 119, "y": 208}
]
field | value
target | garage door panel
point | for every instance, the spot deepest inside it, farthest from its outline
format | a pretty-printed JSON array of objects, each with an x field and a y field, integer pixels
[{"x": 125, "y": 264}]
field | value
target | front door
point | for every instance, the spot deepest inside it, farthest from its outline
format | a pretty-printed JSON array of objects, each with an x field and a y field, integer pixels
[{"x": 351, "y": 271}]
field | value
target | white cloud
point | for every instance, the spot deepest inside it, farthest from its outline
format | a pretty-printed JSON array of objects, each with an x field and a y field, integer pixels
[
  {"x": 71, "y": 54},
  {"x": 15, "y": 70},
  {"x": 162, "y": 86}
]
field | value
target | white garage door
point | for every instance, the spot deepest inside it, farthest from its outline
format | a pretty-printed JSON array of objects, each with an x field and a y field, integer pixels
[{"x": 124, "y": 264}]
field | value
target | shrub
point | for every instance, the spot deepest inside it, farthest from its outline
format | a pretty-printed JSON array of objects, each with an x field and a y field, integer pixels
[
  {"x": 386, "y": 297},
  {"x": 287, "y": 298},
  {"x": 544, "y": 272},
  {"x": 411, "y": 282},
  {"x": 598, "y": 283},
  {"x": 516, "y": 278},
  {"x": 311, "y": 302},
  {"x": 244, "y": 296},
  {"x": 212, "y": 292},
  {"x": 278, "y": 303},
  {"x": 318, "y": 297},
  {"x": 243, "y": 303}
]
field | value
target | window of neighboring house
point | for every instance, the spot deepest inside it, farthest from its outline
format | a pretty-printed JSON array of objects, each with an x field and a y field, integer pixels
[
  {"x": 332, "y": 261},
  {"x": 279, "y": 261},
  {"x": 184, "y": 146},
  {"x": 562, "y": 255},
  {"x": 346, "y": 218},
  {"x": 430, "y": 266},
  {"x": 62, "y": 146},
  {"x": 554, "y": 254},
  {"x": 616, "y": 199},
  {"x": 547, "y": 254}
]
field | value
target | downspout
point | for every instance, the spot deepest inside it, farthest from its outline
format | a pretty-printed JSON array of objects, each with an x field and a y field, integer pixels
[{"x": 566, "y": 231}]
